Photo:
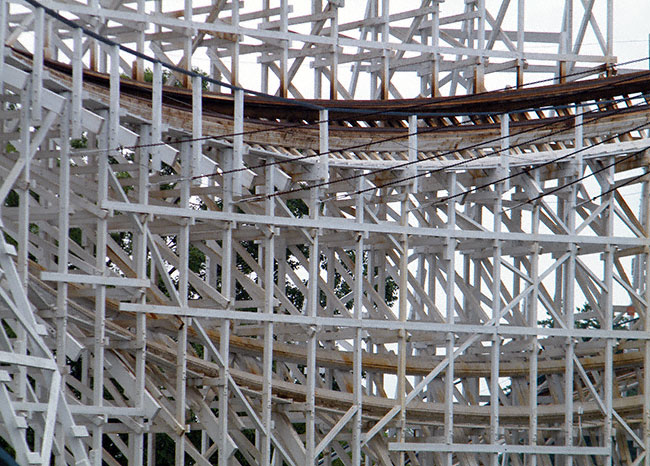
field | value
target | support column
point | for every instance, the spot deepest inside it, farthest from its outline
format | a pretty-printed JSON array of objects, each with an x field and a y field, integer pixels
[
  {"x": 227, "y": 288},
  {"x": 334, "y": 58},
  {"x": 63, "y": 254},
  {"x": 385, "y": 59},
  {"x": 100, "y": 252},
  {"x": 183, "y": 246},
  {"x": 521, "y": 24},
  {"x": 569, "y": 289},
  {"x": 435, "y": 42},
  {"x": 22, "y": 259},
  {"x": 608, "y": 310},
  {"x": 495, "y": 351},
  {"x": 566, "y": 39},
  {"x": 479, "y": 71},
  {"x": 322, "y": 175},
  {"x": 187, "y": 42},
  {"x": 234, "y": 72},
  {"x": 238, "y": 143},
  {"x": 269, "y": 261},
  {"x": 532, "y": 323},
  {"x": 357, "y": 368},
  {"x": 264, "y": 67},
  {"x": 402, "y": 334},
  {"x": 138, "y": 63},
  {"x": 136, "y": 441},
  {"x": 284, "y": 57},
  {"x": 610, "y": 37},
  {"x": 156, "y": 115},
  {"x": 316, "y": 9},
  {"x": 645, "y": 206},
  {"x": 77, "y": 82},
  {"x": 23, "y": 190},
  {"x": 450, "y": 263},
  {"x": 37, "y": 64},
  {"x": 4, "y": 14},
  {"x": 227, "y": 273}
]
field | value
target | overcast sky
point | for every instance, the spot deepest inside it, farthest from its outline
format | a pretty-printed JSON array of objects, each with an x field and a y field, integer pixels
[{"x": 631, "y": 28}]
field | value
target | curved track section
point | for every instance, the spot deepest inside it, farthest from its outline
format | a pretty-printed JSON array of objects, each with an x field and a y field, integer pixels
[{"x": 245, "y": 280}]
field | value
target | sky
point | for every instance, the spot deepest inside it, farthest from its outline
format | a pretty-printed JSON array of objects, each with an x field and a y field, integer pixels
[{"x": 631, "y": 29}]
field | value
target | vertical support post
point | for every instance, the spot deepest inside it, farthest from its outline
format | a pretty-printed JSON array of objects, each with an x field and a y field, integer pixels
[
  {"x": 183, "y": 246},
  {"x": 190, "y": 153},
  {"x": 313, "y": 294},
  {"x": 23, "y": 227},
  {"x": 140, "y": 253},
  {"x": 238, "y": 142},
  {"x": 284, "y": 58},
  {"x": 63, "y": 252},
  {"x": 411, "y": 172},
  {"x": 645, "y": 206},
  {"x": 4, "y": 16},
  {"x": 402, "y": 334},
  {"x": 504, "y": 156},
  {"x": 269, "y": 269},
  {"x": 151, "y": 449},
  {"x": 566, "y": 39},
  {"x": 532, "y": 323},
  {"x": 329, "y": 312},
  {"x": 197, "y": 125},
  {"x": 227, "y": 273},
  {"x": 323, "y": 146},
  {"x": 138, "y": 64},
  {"x": 381, "y": 263},
  {"x": 93, "y": 56},
  {"x": 312, "y": 311},
  {"x": 334, "y": 59},
  {"x": 234, "y": 72},
  {"x": 114, "y": 90},
  {"x": 357, "y": 367},
  {"x": 569, "y": 291},
  {"x": 608, "y": 310},
  {"x": 26, "y": 116},
  {"x": 521, "y": 24},
  {"x": 316, "y": 9},
  {"x": 610, "y": 36},
  {"x": 495, "y": 350},
  {"x": 37, "y": 71},
  {"x": 93, "y": 46},
  {"x": 479, "y": 71},
  {"x": 264, "y": 78},
  {"x": 156, "y": 115},
  {"x": 187, "y": 42},
  {"x": 385, "y": 59},
  {"x": 49, "y": 50},
  {"x": 373, "y": 12},
  {"x": 77, "y": 81},
  {"x": 435, "y": 42},
  {"x": 450, "y": 262},
  {"x": 101, "y": 247}
]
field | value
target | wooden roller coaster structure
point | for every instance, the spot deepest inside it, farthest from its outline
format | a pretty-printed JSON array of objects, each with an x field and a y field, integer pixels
[{"x": 194, "y": 272}]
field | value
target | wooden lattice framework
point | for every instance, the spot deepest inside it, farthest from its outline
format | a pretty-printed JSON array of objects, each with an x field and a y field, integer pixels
[{"x": 258, "y": 280}]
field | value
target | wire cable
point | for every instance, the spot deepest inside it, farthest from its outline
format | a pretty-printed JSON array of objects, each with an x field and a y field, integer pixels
[
  {"x": 527, "y": 170},
  {"x": 175, "y": 68},
  {"x": 584, "y": 177},
  {"x": 614, "y": 188},
  {"x": 462, "y": 162},
  {"x": 420, "y": 131},
  {"x": 311, "y": 106},
  {"x": 178, "y": 69},
  {"x": 402, "y": 112}
]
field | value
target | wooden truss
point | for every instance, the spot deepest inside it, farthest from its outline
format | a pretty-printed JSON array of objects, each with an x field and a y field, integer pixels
[{"x": 247, "y": 279}]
